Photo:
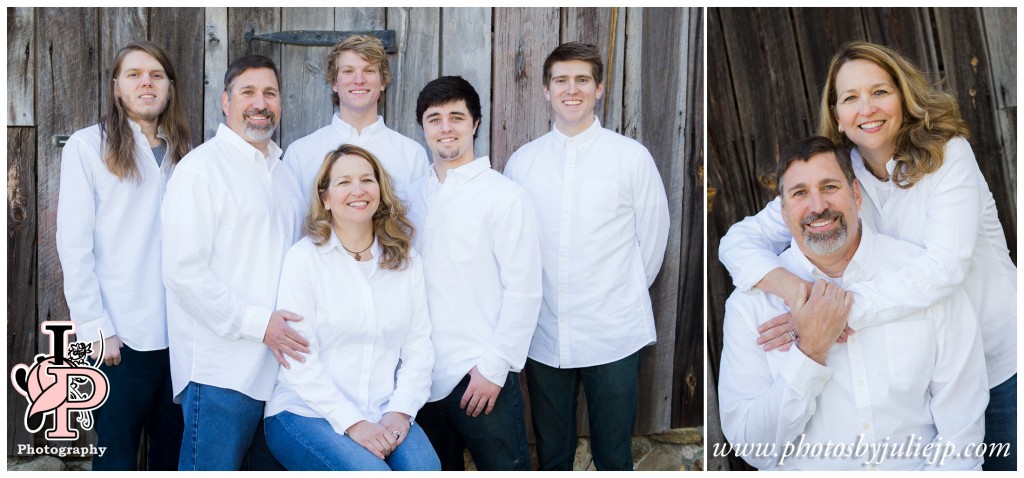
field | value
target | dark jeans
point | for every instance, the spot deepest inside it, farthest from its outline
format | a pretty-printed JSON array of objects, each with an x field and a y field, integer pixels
[
  {"x": 496, "y": 441},
  {"x": 1001, "y": 425},
  {"x": 223, "y": 431},
  {"x": 140, "y": 398},
  {"x": 611, "y": 393}
]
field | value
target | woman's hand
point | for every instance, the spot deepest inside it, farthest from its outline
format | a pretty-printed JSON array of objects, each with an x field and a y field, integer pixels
[
  {"x": 397, "y": 425},
  {"x": 374, "y": 437}
]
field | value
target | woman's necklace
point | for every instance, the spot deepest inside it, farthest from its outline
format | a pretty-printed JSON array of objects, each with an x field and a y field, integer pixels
[{"x": 356, "y": 254}]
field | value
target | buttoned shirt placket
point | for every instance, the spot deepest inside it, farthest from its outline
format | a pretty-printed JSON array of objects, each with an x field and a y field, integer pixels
[
  {"x": 366, "y": 294},
  {"x": 564, "y": 247}
]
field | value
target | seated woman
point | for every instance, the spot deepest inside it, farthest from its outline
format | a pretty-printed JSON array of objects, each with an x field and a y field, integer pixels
[{"x": 358, "y": 286}]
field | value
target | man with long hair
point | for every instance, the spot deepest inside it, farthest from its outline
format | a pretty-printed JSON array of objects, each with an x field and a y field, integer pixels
[{"x": 108, "y": 240}]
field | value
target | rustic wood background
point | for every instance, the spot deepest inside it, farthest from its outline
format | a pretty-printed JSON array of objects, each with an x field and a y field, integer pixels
[
  {"x": 766, "y": 70},
  {"x": 59, "y": 57}
]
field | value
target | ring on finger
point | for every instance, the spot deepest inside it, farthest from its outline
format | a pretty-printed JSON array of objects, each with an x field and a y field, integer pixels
[{"x": 792, "y": 335}]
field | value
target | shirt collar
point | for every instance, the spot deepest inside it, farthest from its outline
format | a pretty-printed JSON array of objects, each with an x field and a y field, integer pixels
[
  {"x": 465, "y": 172},
  {"x": 137, "y": 129},
  {"x": 334, "y": 244},
  {"x": 858, "y": 264},
  {"x": 582, "y": 140},
  {"x": 249, "y": 151},
  {"x": 860, "y": 165},
  {"x": 350, "y": 130}
]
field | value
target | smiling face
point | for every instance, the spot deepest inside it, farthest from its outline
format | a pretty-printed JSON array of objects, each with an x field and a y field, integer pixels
[
  {"x": 868, "y": 109},
  {"x": 449, "y": 129},
  {"x": 142, "y": 87},
  {"x": 358, "y": 84},
  {"x": 573, "y": 92},
  {"x": 353, "y": 192},
  {"x": 820, "y": 205},
  {"x": 253, "y": 106}
]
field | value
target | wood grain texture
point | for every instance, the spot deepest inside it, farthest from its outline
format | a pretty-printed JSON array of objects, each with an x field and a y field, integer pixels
[
  {"x": 22, "y": 326},
  {"x": 523, "y": 37},
  {"x": 466, "y": 41},
  {"x": 418, "y": 62},
  {"x": 118, "y": 27},
  {"x": 606, "y": 29},
  {"x": 1001, "y": 38},
  {"x": 632, "y": 72},
  {"x": 181, "y": 32},
  {"x": 305, "y": 96},
  {"x": 21, "y": 54},
  {"x": 215, "y": 65}
]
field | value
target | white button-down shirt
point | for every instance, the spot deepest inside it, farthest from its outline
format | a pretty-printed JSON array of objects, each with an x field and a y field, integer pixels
[
  {"x": 229, "y": 216},
  {"x": 478, "y": 238},
  {"x": 404, "y": 159},
  {"x": 604, "y": 225},
  {"x": 951, "y": 214},
  {"x": 915, "y": 379},
  {"x": 108, "y": 241},
  {"x": 359, "y": 328}
]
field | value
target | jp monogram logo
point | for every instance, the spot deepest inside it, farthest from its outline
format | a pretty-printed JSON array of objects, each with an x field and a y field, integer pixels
[{"x": 53, "y": 384}]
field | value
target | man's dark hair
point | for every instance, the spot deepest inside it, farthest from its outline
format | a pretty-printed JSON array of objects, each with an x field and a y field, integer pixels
[
  {"x": 248, "y": 62},
  {"x": 575, "y": 51},
  {"x": 448, "y": 89},
  {"x": 805, "y": 149}
]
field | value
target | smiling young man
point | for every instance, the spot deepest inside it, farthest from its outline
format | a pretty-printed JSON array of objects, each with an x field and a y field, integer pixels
[
  {"x": 915, "y": 383},
  {"x": 231, "y": 212},
  {"x": 478, "y": 238},
  {"x": 604, "y": 221},
  {"x": 108, "y": 240},
  {"x": 358, "y": 71}
]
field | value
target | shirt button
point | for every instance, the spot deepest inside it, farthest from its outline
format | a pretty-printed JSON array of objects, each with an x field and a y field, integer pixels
[
  {"x": 860, "y": 382},
  {"x": 853, "y": 340},
  {"x": 866, "y": 426},
  {"x": 562, "y": 290}
]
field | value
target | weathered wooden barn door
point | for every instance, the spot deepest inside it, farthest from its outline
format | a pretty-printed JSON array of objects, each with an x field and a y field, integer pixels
[{"x": 766, "y": 69}]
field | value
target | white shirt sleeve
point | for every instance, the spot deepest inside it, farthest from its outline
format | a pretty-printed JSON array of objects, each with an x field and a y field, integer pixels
[
  {"x": 76, "y": 223},
  {"x": 757, "y": 408},
  {"x": 189, "y": 225},
  {"x": 412, "y": 379},
  {"x": 751, "y": 247},
  {"x": 421, "y": 166},
  {"x": 517, "y": 251},
  {"x": 309, "y": 379},
  {"x": 650, "y": 207},
  {"x": 951, "y": 231}
]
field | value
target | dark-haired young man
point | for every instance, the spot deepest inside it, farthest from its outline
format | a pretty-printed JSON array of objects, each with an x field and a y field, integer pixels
[
  {"x": 477, "y": 235},
  {"x": 604, "y": 220},
  {"x": 108, "y": 240},
  {"x": 230, "y": 214}
]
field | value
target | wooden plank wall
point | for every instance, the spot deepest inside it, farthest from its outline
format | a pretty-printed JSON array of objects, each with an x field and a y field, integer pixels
[
  {"x": 499, "y": 50},
  {"x": 758, "y": 107}
]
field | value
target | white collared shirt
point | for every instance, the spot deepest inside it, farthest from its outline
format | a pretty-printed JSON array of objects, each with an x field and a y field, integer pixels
[
  {"x": 604, "y": 226},
  {"x": 108, "y": 241},
  {"x": 951, "y": 214},
  {"x": 477, "y": 235},
  {"x": 229, "y": 216},
  {"x": 370, "y": 350},
  {"x": 403, "y": 159},
  {"x": 921, "y": 375}
]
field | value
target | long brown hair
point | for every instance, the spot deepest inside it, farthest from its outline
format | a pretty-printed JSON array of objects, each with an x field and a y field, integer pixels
[
  {"x": 119, "y": 153},
  {"x": 393, "y": 230},
  {"x": 931, "y": 116}
]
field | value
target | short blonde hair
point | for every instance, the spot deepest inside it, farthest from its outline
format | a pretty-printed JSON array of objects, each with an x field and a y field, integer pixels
[{"x": 368, "y": 47}]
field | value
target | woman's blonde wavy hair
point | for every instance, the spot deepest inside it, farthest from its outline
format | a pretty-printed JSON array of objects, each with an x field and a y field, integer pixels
[
  {"x": 392, "y": 228},
  {"x": 931, "y": 116}
]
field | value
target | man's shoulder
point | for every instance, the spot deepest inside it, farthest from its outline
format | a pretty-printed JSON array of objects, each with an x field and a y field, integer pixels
[
  {"x": 311, "y": 139},
  {"x": 201, "y": 158},
  {"x": 533, "y": 147},
  {"x": 623, "y": 146}
]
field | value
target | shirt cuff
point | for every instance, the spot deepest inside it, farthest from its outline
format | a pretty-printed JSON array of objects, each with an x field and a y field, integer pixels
[
  {"x": 803, "y": 374},
  {"x": 254, "y": 322},
  {"x": 494, "y": 369},
  {"x": 341, "y": 420},
  {"x": 403, "y": 405},
  {"x": 90, "y": 331}
]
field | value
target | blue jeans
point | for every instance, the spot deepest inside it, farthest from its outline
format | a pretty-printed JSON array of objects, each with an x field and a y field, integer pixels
[
  {"x": 223, "y": 431},
  {"x": 140, "y": 399},
  {"x": 1001, "y": 425},
  {"x": 311, "y": 444},
  {"x": 610, "y": 390},
  {"x": 497, "y": 441}
]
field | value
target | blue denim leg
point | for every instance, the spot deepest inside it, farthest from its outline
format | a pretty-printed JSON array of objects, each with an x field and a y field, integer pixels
[
  {"x": 311, "y": 444},
  {"x": 553, "y": 404},
  {"x": 611, "y": 392},
  {"x": 219, "y": 427},
  {"x": 138, "y": 399},
  {"x": 497, "y": 441},
  {"x": 1001, "y": 426}
]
